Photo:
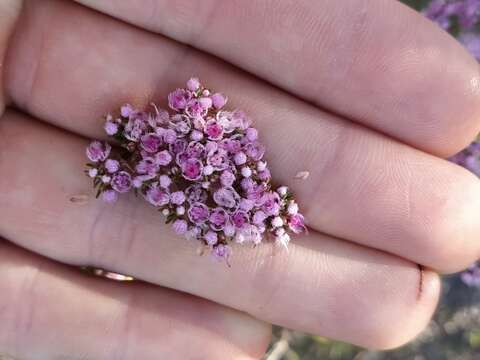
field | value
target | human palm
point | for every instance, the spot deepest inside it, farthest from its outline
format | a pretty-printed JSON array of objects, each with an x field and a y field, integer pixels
[{"x": 366, "y": 96}]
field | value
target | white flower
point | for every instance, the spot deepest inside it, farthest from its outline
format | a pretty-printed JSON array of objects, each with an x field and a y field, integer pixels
[
  {"x": 283, "y": 240},
  {"x": 208, "y": 170},
  {"x": 166, "y": 212},
  {"x": 261, "y": 165},
  {"x": 248, "y": 233},
  {"x": 246, "y": 172},
  {"x": 277, "y": 222},
  {"x": 292, "y": 208},
  {"x": 92, "y": 173},
  {"x": 282, "y": 190},
  {"x": 180, "y": 210}
]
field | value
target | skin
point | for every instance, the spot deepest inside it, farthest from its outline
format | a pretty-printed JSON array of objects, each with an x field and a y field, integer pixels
[{"x": 376, "y": 100}]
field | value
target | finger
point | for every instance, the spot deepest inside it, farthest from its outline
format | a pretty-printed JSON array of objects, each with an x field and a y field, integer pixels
[
  {"x": 9, "y": 11},
  {"x": 362, "y": 186},
  {"x": 49, "y": 311},
  {"x": 347, "y": 291},
  {"x": 377, "y": 62}
]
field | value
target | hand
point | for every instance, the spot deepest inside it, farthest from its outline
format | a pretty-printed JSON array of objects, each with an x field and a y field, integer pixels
[{"x": 367, "y": 96}]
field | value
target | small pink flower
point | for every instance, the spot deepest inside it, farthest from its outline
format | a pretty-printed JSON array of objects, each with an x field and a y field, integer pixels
[
  {"x": 151, "y": 142},
  {"x": 178, "y": 99},
  {"x": 296, "y": 223},
  {"x": 251, "y": 134},
  {"x": 208, "y": 170},
  {"x": 224, "y": 119},
  {"x": 246, "y": 204},
  {"x": 126, "y": 110},
  {"x": 226, "y": 197},
  {"x": 157, "y": 196},
  {"x": 211, "y": 238},
  {"x": 218, "y": 159},
  {"x": 239, "y": 219},
  {"x": 196, "y": 135},
  {"x": 259, "y": 217},
  {"x": 264, "y": 175},
  {"x": 170, "y": 136},
  {"x": 180, "y": 227},
  {"x": 178, "y": 146},
  {"x": 177, "y": 197},
  {"x": 111, "y": 128},
  {"x": 233, "y": 146},
  {"x": 254, "y": 150},
  {"x": 219, "y": 100},
  {"x": 195, "y": 194},
  {"x": 136, "y": 126},
  {"x": 181, "y": 124},
  {"x": 112, "y": 166},
  {"x": 147, "y": 166},
  {"x": 248, "y": 185},
  {"x": 240, "y": 158},
  {"x": 198, "y": 123},
  {"x": 98, "y": 151},
  {"x": 227, "y": 178},
  {"x": 137, "y": 182},
  {"x": 93, "y": 172},
  {"x": 193, "y": 84},
  {"x": 271, "y": 204},
  {"x": 246, "y": 172},
  {"x": 163, "y": 158},
  {"x": 192, "y": 169},
  {"x": 195, "y": 150},
  {"x": 206, "y": 102},
  {"x": 218, "y": 219},
  {"x": 165, "y": 181},
  {"x": 195, "y": 109},
  {"x": 198, "y": 213},
  {"x": 214, "y": 130},
  {"x": 122, "y": 182}
]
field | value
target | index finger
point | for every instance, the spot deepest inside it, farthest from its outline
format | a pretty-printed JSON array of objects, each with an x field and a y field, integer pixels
[
  {"x": 374, "y": 61},
  {"x": 9, "y": 11}
]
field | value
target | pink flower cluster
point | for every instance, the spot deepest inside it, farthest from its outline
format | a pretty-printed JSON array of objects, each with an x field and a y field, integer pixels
[{"x": 201, "y": 166}]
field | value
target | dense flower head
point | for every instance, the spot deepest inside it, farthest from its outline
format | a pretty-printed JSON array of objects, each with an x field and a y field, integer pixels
[{"x": 202, "y": 167}]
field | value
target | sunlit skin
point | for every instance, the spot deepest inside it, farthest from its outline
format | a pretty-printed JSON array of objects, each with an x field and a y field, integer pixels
[{"x": 366, "y": 97}]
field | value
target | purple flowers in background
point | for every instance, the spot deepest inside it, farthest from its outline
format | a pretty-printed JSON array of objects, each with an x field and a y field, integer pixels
[
  {"x": 447, "y": 12},
  {"x": 462, "y": 17},
  {"x": 201, "y": 167}
]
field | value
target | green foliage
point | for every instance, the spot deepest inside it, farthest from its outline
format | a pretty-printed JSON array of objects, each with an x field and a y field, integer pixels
[{"x": 416, "y": 4}]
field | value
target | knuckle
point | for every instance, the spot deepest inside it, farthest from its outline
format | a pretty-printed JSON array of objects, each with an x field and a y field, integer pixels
[
  {"x": 449, "y": 226},
  {"x": 410, "y": 314}
]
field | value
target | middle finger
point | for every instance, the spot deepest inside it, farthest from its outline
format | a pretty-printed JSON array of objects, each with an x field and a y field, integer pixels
[
  {"x": 322, "y": 285},
  {"x": 363, "y": 187}
]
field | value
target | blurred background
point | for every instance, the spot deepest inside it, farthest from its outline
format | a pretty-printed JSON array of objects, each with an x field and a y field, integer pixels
[{"x": 454, "y": 332}]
